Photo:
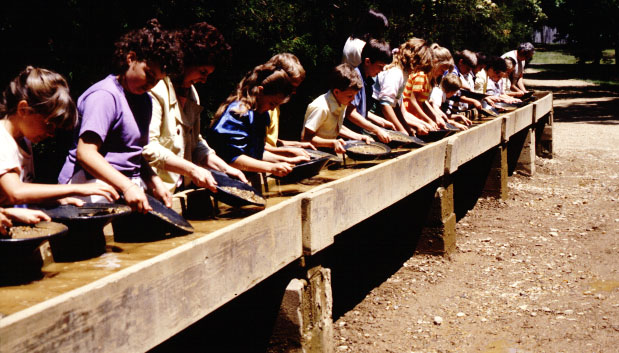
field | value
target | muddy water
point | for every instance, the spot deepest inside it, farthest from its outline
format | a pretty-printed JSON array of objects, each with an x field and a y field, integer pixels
[{"x": 59, "y": 278}]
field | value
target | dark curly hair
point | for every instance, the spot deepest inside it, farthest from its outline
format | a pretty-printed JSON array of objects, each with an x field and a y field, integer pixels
[
  {"x": 151, "y": 43},
  {"x": 203, "y": 44}
]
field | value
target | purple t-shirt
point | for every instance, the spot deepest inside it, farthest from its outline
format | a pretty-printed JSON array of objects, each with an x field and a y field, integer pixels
[{"x": 120, "y": 119}]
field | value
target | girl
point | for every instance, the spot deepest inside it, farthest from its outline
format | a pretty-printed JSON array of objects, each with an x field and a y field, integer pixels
[
  {"x": 292, "y": 66},
  {"x": 115, "y": 115},
  {"x": 391, "y": 81},
  {"x": 175, "y": 146},
  {"x": 33, "y": 106},
  {"x": 239, "y": 125},
  {"x": 420, "y": 84}
]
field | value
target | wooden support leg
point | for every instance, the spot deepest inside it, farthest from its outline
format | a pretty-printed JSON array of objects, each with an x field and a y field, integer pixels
[
  {"x": 544, "y": 146},
  {"x": 439, "y": 234},
  {"x": 526, "y": 161},
  {"x": 496, "y": 184},
  {"x": 304, "y": 323}
]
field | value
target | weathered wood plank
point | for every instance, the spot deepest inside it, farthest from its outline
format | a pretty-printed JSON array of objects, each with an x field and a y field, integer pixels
[
  {"x": 518, "y": 120},
  {"x": 357, "y": 197},
  {"x": 542, "y": 106},
  {"x": 141, "y": 306},
  {"x": 469, "y": 144}
]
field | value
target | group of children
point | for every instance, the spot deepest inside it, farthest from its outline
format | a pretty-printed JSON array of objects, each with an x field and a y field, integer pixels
[{"x": 137, "y": 131}]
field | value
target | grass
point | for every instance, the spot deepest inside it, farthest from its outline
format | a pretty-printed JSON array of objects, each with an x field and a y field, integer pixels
[{"x": 553, "y": 60}]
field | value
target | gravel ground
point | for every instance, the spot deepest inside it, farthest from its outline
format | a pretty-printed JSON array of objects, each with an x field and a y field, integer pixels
[{"x": 534, "y": 273}]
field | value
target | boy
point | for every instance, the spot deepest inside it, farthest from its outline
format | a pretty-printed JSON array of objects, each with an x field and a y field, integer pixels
[
  {"x": 325, "y": 115},
  {"x": 375, "y": 55},
  {"x": 450, "y": 85}
]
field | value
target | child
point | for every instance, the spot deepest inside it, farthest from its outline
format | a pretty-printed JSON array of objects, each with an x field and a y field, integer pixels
[
  {"x": 372, "y": 25},
  {"x": 390, "y": 83},
  {"x": 291, "y": 64},
  {"x": 33, "y": 106},
  {"x": 521, "y": 56},
  {"x": 115, "y": 116},
  {"x": 239, "y": 126},
  {"x": 465, "y": 63},
  {"x": 325, "y": 115},
  {"x": 420, "y": 84},
  {"x": 376, "y": 54},
  {"x": 488, "y": 80},
  {"x": 450, "y": 85},
  {"x": 175, "y": 147}
]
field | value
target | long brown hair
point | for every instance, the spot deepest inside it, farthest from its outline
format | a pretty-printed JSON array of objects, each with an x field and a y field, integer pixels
[
  {"x": 46, "y": 92},
  {"x": 272, "y": 79}
]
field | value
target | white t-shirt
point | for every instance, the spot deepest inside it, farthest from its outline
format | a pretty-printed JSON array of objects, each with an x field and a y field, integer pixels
[
  {"x": 389, "y": 86},
  {"x": 437, "y": 97},
  {"x": 519, "y": 69},
  {"x": 324, "y": 116},
  {"x": 15, "y": 158},
  {"x": 352, "y": 51}
]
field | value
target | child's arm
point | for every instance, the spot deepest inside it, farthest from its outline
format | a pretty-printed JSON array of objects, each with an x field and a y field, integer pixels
[
  {"x": 19, "y": 192},
  {"x": 336, "y": 144},
  {"x": 348, "y": 133},
  {"x": 247, "y": 163},
  {"x": 390, "y": 115},
  {"x": 420, "y": 126},
  {"x": 25, "y": 215},
  {"x": 5, "y": 223},
  {"x": 276, "y": 158},
  {"x": 288, "y": 150},
  {"x": 215, "y": 162},
  {"x": 299, "y": 144},
  {"x": 93, "y": 162},
  {"x": 470, "y": 101},
  {"x": 353, "y": 115},
  {"x": 412, "y": 106},
  {"x": 155, "y": 184},
  {"x": 380, "y": 121}
]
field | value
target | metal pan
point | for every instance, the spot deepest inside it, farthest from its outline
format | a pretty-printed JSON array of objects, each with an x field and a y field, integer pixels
[
  {"x": 246, "y": 196},
  {"x": 92, "y": 215},
  {"x": 16, "y": 248},
  {"x": 399, "y": 139},
  {"x": 318, "y": 154},
  {"x": 474, "y": 95},
  {"x": 305, "y": 170},
  {"x": 157, "y": 224},
  {"x": 351, "y": 147},
  {"x": 433, "y": 136},
  {"x": 451, "y": 127}
]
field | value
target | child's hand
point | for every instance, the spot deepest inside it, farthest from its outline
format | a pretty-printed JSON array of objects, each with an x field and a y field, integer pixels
[
  {"x": 203, "y": 179},
  {"x": 280, "y": 168},
  {"x": 161, "y": 192},
  {"x": 295, "y": 151},
  {"x": 383, "y": 136},
  {"x": 71, "y": 201},
  {"x": 338, "y": 146},
  {"x": 298, "y": 159},
  {"x": 301, "y": 144},
  {"x": 366, "y": 138},
  {"x": 231, "y": 171},
  {"x": 136, "y": 199},
  {"x": 462, "y": 119},
  {"x": 100, "y": 189},
  {"x": 25, "y": 215},
  {"x": 5, "y": 223}
]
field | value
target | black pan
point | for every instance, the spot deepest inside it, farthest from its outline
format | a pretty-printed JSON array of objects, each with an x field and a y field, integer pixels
[
  {"x": 305, "y": 170},
  {"x": 232, "y": 199},
  {"x": 318, "y": 154},
  {"x": 488, "y": 111},
  {"x": 399, "y": 139},
  {"x": 91, "y": 215},
  {"x": 451, "y": 127},
  {"x": 433, "y": 136},
  {"x": 157, "y": 224},
  {"x": 366, "y": 156},
  {"x": 11, "y": 248},
  {"x": 474, "y": 95},
  {"x": 527, "y": 95}
]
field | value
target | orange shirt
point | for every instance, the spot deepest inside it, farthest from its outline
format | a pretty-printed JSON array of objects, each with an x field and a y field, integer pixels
[{"x": 418, "y": 86}]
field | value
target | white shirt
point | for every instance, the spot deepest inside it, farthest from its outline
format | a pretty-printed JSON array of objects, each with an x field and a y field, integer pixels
[
  {"x": 15, "y": 158},
  {"x": 437, "y": 97},
  {"x": 324, "y": 116},
  {"x": 389, "y": 86},
  {"x": 519, "y": 69},
  {"x": 352, "y": 51}
]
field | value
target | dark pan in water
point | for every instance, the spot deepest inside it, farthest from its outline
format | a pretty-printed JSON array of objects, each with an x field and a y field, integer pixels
[
  {"x": 234, "y": 192},
  {"x": 305, "y": 170},
  {"x": 361, "y": 151},
  {"x": 433, "y": 136},
  {"x": 23, "y": 244},
  {"x": 399, "y": 139},
  {"x": 319, "y": 154},
  {"x": 451, "y": 127},
  {"x": 160, "y": 223}
]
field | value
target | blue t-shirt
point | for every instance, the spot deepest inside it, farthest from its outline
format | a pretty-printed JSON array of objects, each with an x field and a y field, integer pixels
[
  {"x": 360, "y": 101},
  {"x": 235, "y": 134},
  {"x": 120, "y": 119}
]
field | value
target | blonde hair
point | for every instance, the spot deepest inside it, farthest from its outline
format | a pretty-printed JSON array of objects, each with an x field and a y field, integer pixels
[
  {"x": 412, "y": 55},
  {"x": 440, "y": 56},
  {"x": 272, "y": 79},
  {"x": 46, "y": 92},
  {"x": 291, "y": 64}
]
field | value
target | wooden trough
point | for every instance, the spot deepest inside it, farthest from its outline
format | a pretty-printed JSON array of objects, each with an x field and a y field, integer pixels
[{"x": 137, "y": 295}]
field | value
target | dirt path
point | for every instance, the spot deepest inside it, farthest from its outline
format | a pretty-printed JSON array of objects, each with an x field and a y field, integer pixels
[{"x": 534, "y": 273}]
